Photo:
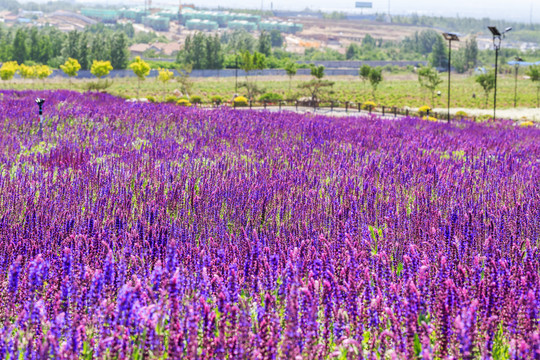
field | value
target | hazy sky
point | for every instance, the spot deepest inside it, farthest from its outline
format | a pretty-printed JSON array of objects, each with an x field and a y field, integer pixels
[{"x": 500, "y": 9}]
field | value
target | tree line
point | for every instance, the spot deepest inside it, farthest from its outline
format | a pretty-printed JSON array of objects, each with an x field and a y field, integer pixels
[{"x": 52, "y": 47}]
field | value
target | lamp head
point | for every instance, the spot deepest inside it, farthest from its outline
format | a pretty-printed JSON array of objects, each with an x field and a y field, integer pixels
[
  {"x": 39, "y": 101},
  {"x": 451, "y": 36},
  {"x": 494, "y": 31},
  {"x": 508, "y": 29}
]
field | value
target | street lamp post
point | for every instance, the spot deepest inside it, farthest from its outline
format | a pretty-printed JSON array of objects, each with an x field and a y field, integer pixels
[
  {"x": 497, "y": 38},
  {"x": 516, "y": 65},
  {"x": 450, "y": 37},
  {"x": 40, "y": 102},
  {"x": 236, "y": 76}
]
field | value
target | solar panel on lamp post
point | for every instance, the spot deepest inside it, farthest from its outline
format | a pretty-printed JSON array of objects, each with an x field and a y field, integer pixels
[
  {"x": 516, "y": 65},
  {"x": 450, "y": 37},
  {"x": 497, "y": 38}
]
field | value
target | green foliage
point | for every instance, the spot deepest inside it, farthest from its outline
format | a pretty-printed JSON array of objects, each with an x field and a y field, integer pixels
[
  {"x": 534, "y": 74},
  {"x": 216, "y": 99},
  {"x": 429, "y": 79},
  {"x": 375, "y": 78},
  {"x": 151, "y": 98},
  {"x": 71, "y": 67},
  {"x": 364, "y": 72},
  {"x": 317, "y": 71},
  {"x": 290, "y": 68},
  {"x": 170, "y": 99},
  {"x": 97, "y": 85},
  {"x": 439, "y": 55},
  {"x": 265, "y": 44},
  {"x": 202, "y": 52},
  {"x": 271, "y": 97},
  {"x": 353, "y": 52},
  {"x": 195, "y": 99},
  {"x": 487, "y": 82},
  {"x": 101, "y": 68},
  {"x": 276, "y": 38}
]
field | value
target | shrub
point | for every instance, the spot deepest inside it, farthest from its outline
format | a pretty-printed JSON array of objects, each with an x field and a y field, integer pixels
[
  {"x": 369, "y": 105},
  {"x": 424, "y": 109},
  {"x": 526, "y": 124},
  {"x": 216, "y": 99},
  {"x": 271, "y": 97},
  {"x": 461, "y": 113},
  {"x": 429, "y": 118},
  {"x": 151, "y": 98},
  {"x": 195, "y": 99},
  {"x": 183, "y": 102},
  {"x": 483, "y": 118},
  {"x": 240, "y": 101},
  {"x": 97, "y": 85},
  {"x": 170, "y": 99}
]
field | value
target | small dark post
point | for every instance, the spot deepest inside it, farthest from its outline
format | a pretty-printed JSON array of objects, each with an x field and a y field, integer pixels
[
  {"x": 296, "y": 103},
  {"x": 331, "y": 105},
  {"x": 279, "y": 105},
  {"x": 395, "y": 111},
  {"x": 406, "y": 112},
  {"x": 264, "y": 103},
  {"x": 346, "y": 106},
  {"x": 383, "y": 110},
  {"x": 40, "y": 102},
  {"x": 359, "y": 107}
]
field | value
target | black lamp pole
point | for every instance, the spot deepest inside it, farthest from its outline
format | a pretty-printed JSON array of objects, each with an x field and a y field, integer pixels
[
  {"x": 450, "y": 37},
  {"x": 236, "y": 76},
  {"x": 516, "y": 65},
  {"x": 497, "y": 38}
]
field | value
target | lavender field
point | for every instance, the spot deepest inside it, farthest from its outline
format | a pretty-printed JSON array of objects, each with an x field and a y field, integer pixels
[{"x": 153, "y": 231}]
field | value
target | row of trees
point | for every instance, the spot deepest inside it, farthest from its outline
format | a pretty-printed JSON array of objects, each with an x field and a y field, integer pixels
[{"x": 49, "y": 46}]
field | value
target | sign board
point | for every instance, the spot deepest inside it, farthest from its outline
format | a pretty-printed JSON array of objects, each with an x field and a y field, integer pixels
[{"x": 364, "y": 4}]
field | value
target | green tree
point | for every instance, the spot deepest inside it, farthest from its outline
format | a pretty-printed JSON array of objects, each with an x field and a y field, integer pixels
[
  {"x": 84, "y": 51},
  {"x": 368, "y": 42},
  {"x": 20, "y": 52},
  {"x": 439, "y": 56},
  {"x": 100, "y": 68},
  {"x": 34, "y": 48},
  {"x": 471, "y": 53},
  {"x": 375, "y": 78},
  {"x": 265, "y": 44},
  {"x": 317, "y": 71},
  {"x": 71, "y": 48},
  {"x": 119, "y": 51},
  {"x": 70, "y": 68},
  {"x": 315, "y": 86},
  {"x": 353, "y": 52},
  {"x": 487, "y": 82},
  {"x": 98, "y": 49},
  {"x": 141, "y": 69},
  {"x": 429, "y": 79},
  {"x": 364, "y": 72},
  {"x": 534, "y": 74},
  {"x": 276, "y": 38},
  {"x": 291, "y": 68}
]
